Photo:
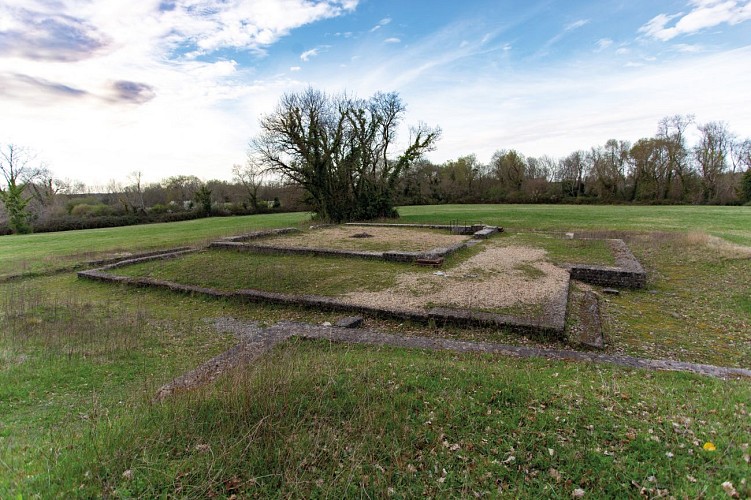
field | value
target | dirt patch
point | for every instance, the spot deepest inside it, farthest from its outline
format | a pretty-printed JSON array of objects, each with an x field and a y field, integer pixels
[
  {"x": 497, "y": 278},
  {"x": 379, "y": 238}
]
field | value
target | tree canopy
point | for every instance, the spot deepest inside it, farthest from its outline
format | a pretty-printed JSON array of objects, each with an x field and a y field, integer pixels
[{"x": 338, "y": 148}]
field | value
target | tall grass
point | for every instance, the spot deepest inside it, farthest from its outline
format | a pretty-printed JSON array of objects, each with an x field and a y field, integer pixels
[
  {"x": 66, "y": 326},
  {"x": 70, "y": 359},
  {"x": 321, "y": 420}
]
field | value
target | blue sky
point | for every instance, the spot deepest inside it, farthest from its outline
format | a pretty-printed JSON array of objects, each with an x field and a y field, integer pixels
[{"x": 104, "y": 88}]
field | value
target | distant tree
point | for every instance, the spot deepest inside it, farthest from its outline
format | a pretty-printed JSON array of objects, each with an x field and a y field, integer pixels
[
  {"x": 339, "y": 150},
  {"x": 181, "y": 188},
  {"x": 251, "y": 177},
  {"x": 18, "y": 170},
  {"x": 671, "y": 131},
  {"x": 741, "y": 158},
  {"x": 649, "y": 164},
  {"x": 46, "y": 188},
  {"x": 740, "y": 155},
  {"x": 571, "y": 173},
  {"x": 711, "y": 154},
  {"x": 745, "y": 187},
  {"x": 421, "y": 184},
  {"x": 134, "y": 191},
  {"x": 509, "y": 168},
  {"x": 203, "y": 199},
  {"x": 458, "y": 178}
]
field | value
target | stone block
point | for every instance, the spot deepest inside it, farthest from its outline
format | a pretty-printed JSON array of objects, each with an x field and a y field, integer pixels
[{"x": 350, "y": 322}]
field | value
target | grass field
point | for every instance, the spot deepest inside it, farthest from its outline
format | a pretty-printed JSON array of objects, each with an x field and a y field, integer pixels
[
  {"x": 43, "y": 252},
  {"x": 731, "y": 223},
  {"x": 35, "y": 253},
  {"x": 80, "y": 362},
  {"x": 230, "y": 271}
]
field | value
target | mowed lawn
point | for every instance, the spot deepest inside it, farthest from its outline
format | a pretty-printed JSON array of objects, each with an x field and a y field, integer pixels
[
  {"x": 43, "y": 252},
  {"x": 732, "y": 223}
]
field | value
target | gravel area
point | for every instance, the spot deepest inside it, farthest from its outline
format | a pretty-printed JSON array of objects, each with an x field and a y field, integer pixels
[
  {"x": 383, "y": 238},
  {"x": 499, "y": 277}
]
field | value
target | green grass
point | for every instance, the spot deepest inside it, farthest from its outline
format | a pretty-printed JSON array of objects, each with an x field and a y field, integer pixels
[
  {"x": 565, "y": 251},
  {"x": 67, "y": 360},
  {"x": 696, "y": 307},
  {"x": 48, "y": 251},
  {"x": 321, "y": 420},
  {"x": 80, "y": 361},
  {"x": 298, "y": 274},
  {"x": 38, "y": 253},
  {"x": 732, "y": 222}
]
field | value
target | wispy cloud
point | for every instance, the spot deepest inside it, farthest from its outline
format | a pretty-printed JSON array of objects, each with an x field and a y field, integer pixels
[
  {"x": 688, "y": 48},
  {"x": 560, "y": 111},
  {"x": 305, "y": 56},
  {"x": 392, "y": 40},
  {"x": 603, "y": 43},
  {"x": 383, "y": 22},
  {"x": 21, "y": 86},
  {"x": 567, "y": 29},
  {"x": 703, "y": 14},
  {"x": 576, "y": 25}
]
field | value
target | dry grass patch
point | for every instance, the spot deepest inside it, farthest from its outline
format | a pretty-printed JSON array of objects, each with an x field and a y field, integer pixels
[
  {"x": 382, "y": 239},
  {"x": 724, "y": 247}
]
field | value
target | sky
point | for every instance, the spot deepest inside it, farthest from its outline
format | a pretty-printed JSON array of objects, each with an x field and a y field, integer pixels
[{"x": 99, "y": 89}]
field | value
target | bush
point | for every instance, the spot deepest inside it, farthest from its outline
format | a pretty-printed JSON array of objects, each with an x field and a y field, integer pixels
[
  {"x": 73, "y": 203},
  {"x": 158, "y": 209},
  {"x": 86, "y": 210},
  {"x": 70, "y": 222}
]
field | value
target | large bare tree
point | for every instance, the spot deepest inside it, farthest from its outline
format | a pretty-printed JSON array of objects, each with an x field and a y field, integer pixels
[{"x": 339, "y": 149}]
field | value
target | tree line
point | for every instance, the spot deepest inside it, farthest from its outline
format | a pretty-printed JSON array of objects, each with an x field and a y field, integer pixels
[
  {"x": 665, "y": 168},
  {"x": 332, "y": 154},
  {"x": 33, "y": 199}
]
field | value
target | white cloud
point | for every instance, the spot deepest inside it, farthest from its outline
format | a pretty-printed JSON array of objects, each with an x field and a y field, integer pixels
[
  {"x": 603, "y": 43},
  {"x": 305, "y": 56},
  {"x": 107, "y": 87},
  {"x": 295, "y": 68},
  {"x": 392, "y": 40},
  {"x": 383, "y": 22},
  {"x": 567, "y": 29},
  {"x": 687, "y": 48},
  {"x": 704, "y": 14},
  {"x": 576, "y": 24}
]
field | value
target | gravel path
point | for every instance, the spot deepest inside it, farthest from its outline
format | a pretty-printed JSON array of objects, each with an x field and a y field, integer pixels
[
  {"x": 498, "y": 277},
  {"x": 255, "y": 341}
]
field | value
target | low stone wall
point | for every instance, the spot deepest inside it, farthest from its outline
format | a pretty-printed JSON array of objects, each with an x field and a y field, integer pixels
[
  {"x": 552, "y": 327},
  {"x": 628, "y": 272},
  {"x": 472, "y": 229},
  {"x": 279, "y": 250},
  {"x": 609, "y": 276},
  {"x": 391, "y": 256},
  {"x": 261, "y": 234}
]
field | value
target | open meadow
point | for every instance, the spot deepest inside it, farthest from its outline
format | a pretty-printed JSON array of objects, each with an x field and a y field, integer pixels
[{"x": 81, "y": 362}]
